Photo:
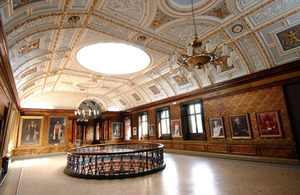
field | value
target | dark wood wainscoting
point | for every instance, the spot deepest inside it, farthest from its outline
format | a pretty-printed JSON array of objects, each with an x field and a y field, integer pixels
[{"x": 274, "y": 151}]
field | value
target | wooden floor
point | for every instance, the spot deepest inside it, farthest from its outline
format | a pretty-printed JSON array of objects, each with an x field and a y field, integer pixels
[{"x": 184, "y": 174}]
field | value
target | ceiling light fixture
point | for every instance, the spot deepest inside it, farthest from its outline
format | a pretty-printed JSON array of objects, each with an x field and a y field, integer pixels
[
  {"x": 86, "y": 112},
  {"x": 198, "y": 56}
]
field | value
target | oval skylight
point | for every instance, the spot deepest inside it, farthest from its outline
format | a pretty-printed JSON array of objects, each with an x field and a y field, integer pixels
[{"x": 113, "y": 58}]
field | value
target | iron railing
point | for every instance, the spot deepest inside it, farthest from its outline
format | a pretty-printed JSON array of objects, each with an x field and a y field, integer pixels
[{"x": 115, "y": 160}]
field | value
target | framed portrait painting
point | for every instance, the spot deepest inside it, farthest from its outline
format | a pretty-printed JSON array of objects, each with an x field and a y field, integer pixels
[
  {"x": 151, "y": 130},
  {"x": 56, "y": 131},
  {"x": 240, "y": 128},
  {"x": 176, "y": 128},
  {"x": 31, "y": 131},
  {"x": 216, "y": 128},
  {"x": 269, "y": 124},
  {"x": 117, "y": 130}
]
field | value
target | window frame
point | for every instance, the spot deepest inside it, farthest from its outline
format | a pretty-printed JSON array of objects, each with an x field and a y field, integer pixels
[
  {"x": 187, "y": 135},
  {"x": 140, "y": 114},
  {"x": 158, "y": 112}
]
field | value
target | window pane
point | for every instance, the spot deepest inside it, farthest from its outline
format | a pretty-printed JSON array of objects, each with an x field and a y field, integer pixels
[
  {"x": 163, "y": 126},
  {"x": 191, "y": 109},
  {"x": 159, "y": 129},
  {"x": 168, "y": 126},
  {"x": 199, "y": 123},
  {"x": 192, "y": 124},
  {"x": 167, "y": 113},
  {"x": 198, "y": 108},
  {"x": 163, "y": 115}
]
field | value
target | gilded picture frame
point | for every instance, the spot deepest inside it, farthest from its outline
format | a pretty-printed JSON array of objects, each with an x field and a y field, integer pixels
[
  {"x": 56, "y": 130},
  {"x": 117, "y": 130},
  {"x": 240, "y": 126},
  {"x": 216, "y": 127},
  {"x": 30, "y": 131},
  {"x": 152, "y": 130},
  {"x": 176, "y": 128},
  {"x": 269, "y": 124}
]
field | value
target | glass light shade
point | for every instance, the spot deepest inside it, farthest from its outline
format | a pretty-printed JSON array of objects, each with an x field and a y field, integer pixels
[
  {"x": 229, "y": 61},
  {"x": 113, "y": 58},
  {"x": 225, "y": 49},
  {"x": 208, "y": 47}
]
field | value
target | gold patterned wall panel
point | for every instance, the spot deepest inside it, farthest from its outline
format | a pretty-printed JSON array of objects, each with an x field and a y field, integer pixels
[
  {"x": 175, "y": 112},
  {"x": 45, "y": 132},
  {"x": 151, "y": 117},
  {"x": 263, "y": 100}
]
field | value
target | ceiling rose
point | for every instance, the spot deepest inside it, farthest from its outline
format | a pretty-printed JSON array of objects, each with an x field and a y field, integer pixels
[{"x": 113, "y": 58}]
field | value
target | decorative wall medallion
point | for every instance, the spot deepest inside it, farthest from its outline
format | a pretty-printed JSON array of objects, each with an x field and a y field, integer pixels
[
  {"x": 136, "y": 97},
  {"x": 122, "y": 102},
  {"x": 73, "y": 19},
  {"x": 220, "y": 11},
  {"x": 20, "y": 3},
  {"x": 29, "y": 47},
  {"x": 181, "y": 81},
  {"x": 223, "y": 62},
  {"x": 238, "y": 28},
  {"x": 290, "y": 38},
  {"x": 154, "y": 90},
  {"x": 141, "y": 38},
  {"x": 30, "y": 71}
]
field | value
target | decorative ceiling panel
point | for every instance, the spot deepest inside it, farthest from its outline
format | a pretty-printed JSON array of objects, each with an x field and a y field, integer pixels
[{"x": 44, "y": 36}]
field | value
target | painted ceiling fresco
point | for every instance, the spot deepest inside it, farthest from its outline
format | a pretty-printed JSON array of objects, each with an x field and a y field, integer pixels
[{"x": 43, "y": 37}]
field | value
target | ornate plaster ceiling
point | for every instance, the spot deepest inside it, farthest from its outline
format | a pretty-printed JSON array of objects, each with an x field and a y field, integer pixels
[{"x": 43, "y": 37}]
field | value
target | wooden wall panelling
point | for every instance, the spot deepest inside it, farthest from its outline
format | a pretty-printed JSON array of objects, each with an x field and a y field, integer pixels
[
  {"x": 218, "y": 148},
  {"x": 196, "y": 147},
  {"x": 278, "y": 151},
  {"x": 243, "y": 150}
]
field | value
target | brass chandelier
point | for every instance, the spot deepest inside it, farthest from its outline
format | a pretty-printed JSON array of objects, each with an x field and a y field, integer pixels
[
  {"x": 198, "y": 56},
  {"x": 86, "y": 112}
]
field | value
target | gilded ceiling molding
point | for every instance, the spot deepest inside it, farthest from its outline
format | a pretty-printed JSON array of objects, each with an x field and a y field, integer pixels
[
  {"x": 28, "y": 67},
  {"x": 190, "y": 10},
  {"x": 31, "y": 46},
  {"x": 28, "y": 86},
  {"x": 141, "y": 88},
  {"x": 30, "y": 35},
  {"x": 56, "y": 42},
  {"x": 35, "y": 57},
  {"x": 31, "y": 71},
  {"x": 31, "y": 20},
  {"x": 258, "y": 8},
  {"x": 277, "y": 20},
  {"x": 33, "y": 79},
  {"x": 131, "y": 103},
  {"x": 137, "y": 31},
  {"x": 79, "y": 34},
  {"x": 237, "y": 49},
  {"x": 260, "y": 44},
  {"x": 160, "y": 19},
  {"x": 220, "y": 11}
]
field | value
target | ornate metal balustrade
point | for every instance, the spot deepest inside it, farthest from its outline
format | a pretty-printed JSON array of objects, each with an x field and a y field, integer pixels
[{"x": 115, "y": 160}]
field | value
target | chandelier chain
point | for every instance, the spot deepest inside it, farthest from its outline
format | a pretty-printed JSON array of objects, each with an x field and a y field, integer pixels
[{"x": 193, "y": 17}]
